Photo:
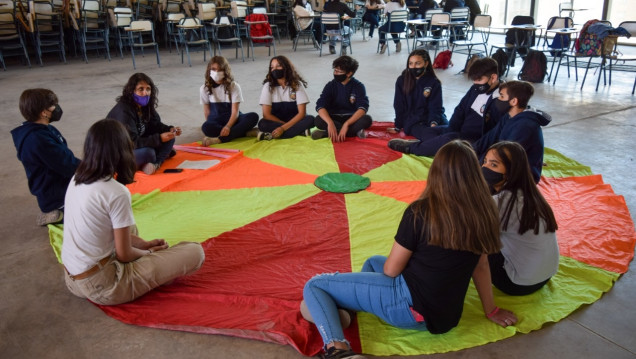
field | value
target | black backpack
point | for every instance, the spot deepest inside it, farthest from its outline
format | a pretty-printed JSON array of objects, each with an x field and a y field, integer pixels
[
  {"x": 224, "y": 32},
  {"x": 470, "y": 61},
  {"x": 534, "y": 68},
  {"x": 502, "y": 61}
]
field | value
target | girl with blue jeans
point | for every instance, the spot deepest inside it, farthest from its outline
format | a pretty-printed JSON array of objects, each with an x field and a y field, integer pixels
[{"x": 443, "y": 240}]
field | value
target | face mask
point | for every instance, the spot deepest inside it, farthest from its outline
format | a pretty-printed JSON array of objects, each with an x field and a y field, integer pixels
[
  {"x": 217, "y": 76},
  {"x": 502, "y": 106},
  {"x": 492, "y": 177},
  {"x": 278, "y": 74},
  {"x": 480, "y": 88},
  {"x": 417, "y": 71},
  {"x": 141, "y": 100},
  {"x": 56, "y": 114},
  {"x": 340, "y": 78},
  {"x": 304, "y": 2}
]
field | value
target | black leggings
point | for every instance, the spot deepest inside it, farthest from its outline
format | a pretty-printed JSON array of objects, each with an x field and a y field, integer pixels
[{"x": 501, "y": 280}]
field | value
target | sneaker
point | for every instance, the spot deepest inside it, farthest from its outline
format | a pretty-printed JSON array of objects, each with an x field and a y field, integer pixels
[
  {"x": 400, "y": 145},
  {"x": 55, "y": 216},
  {"x": 208, "y": 141},
  {"x": 333, "y": 353},
  {"x": 361, "y": 134},
  {"x": 307, "y": 133},
  {"x": 172, "y": 153},
  {"x": 343, "y": 50},
  {"x": 263, "y": 136},
  {"x": 367, "y": 39},
  {"x": 332, "y": 50},
  {"x": 149, "y": 168},
  {"x": 398, "y": 47},
  {"x": 383, "y": 48},
  {"x": 252, "y": 133},
  {"x": 345, "y": 315},
  {"x": 318, "y": 134}
]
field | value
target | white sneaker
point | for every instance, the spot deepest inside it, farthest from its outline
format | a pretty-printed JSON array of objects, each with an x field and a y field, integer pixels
[
  {"x": 208, "y": 141},
  {"x": 263, "y": 136},
  {"x": 383, "y": 48},
  {"x": 149, "y": 168}
]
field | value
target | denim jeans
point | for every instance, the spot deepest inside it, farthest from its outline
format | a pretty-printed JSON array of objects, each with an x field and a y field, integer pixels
[
  {"x": 368, "y": 291},
  {"x": 156, "y": 155},
  {"x": 344, "y": 36}
]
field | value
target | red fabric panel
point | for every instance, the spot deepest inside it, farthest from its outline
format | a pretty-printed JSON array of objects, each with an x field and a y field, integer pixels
[
  {"x": 252, "y": 280},
  {"x": 360, "y": 156},
  {"x": 595, "y": 226}
]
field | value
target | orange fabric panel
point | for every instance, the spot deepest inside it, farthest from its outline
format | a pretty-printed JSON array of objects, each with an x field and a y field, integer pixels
[
  {"x": 402, "y": 191},
  {"x": 595, "y": 226}
]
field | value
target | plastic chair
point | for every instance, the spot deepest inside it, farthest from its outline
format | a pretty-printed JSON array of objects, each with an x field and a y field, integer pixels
[
  {"x": 435, "y": 33},
  {"x": 478, "y": 35},
  {"x": 170, "y": 30},
  {"x": 230, "y": 29},
  {"x": 193, "y": 37},
  {"x": 617, "y": 56},
  {"x": 259, "y": 33},
  {"x": 121, "y": 17},
  {"x": 339, "y": 33},
  {"x": 48, "y": 31},
  {"x": 11, "y": 39},
  {"x": 394, "y": 18},
  {"x": 555, "y": 53},
  {"x": 95, "y": 29},
  {"x": 141, "y": 34},
  {"x": 306, "y": 33},
  {"x": 273, "y": 26},
  {"x": 517, "y": 40}
]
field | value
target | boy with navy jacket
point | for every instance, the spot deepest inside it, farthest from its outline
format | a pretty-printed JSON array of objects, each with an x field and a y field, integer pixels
[
  {"x": 343, "y": 104},
  {"x": 520, "y": 124}
]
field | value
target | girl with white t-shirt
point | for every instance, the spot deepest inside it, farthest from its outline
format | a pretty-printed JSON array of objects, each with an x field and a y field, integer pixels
[
  {"x": 104, "y": 260},
  {"x": 220, "y": 97},
  {"x": 284, "y": 102}
]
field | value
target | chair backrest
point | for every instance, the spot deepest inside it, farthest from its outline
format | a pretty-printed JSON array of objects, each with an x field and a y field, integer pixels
[
  {"x": 189, "y": 21},
  {"x": 460, "y": 13},
  {"x": 560, "y": 22},
  {"x": 630, "y": 26},
  {"x": 259, "y": 10},
  {"x": 7, "y": 24},
  {"x": 123, "y": 16},
  {"x": 439, "y": 17},
  {"x": 565, "y": 5},
  {"x": 91, "y": 5},
  {"x": 141, "y": 25},
  {"x": 399, "y": 15},
  {"x": 238, "y": 9},
  {"x": 175, "y": 17},
  {"x": 207, "y": 11},
  {"x": 429, "y": 13},
  {"x": 522, "y": 20},
  {"x": 482, "y": 21},
  {"x": 330, "y": 18}
]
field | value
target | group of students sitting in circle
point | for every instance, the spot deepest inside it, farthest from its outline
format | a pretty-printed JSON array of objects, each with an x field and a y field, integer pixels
[{"x": 455, "y": 231}]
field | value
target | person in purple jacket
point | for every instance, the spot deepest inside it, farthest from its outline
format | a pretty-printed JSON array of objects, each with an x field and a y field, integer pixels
[{"x": 44, "y": 153}]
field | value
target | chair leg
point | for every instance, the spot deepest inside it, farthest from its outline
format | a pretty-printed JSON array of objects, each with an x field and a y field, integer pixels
[
  {"x": 586, "y": 70},
  {"x": 157, "y": 52},
  {"x": 633, "y": 87},
  {"x": 132, "y": 53},
  {"x": 557, "y": 72}
]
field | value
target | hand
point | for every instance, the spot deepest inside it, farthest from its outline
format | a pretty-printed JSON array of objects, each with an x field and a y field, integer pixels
[
  {"x": 278, "y": 132},
  {"x": 167, "y": 136},
  {"x": 433, "y": 124},
  {"x": 504, "y": 318},
  {"x": 392, "y": 130},
  {"x": 332, "y": 132},
  {"x": 176, "y": 131},
  {"x": 342, "y": 135},
  {"x": 224, "y": 131},
  {"x": 156, "y": 245}
]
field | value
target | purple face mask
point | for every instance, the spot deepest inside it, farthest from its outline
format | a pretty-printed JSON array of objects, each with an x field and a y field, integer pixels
[{"x": 141, "y": 100}]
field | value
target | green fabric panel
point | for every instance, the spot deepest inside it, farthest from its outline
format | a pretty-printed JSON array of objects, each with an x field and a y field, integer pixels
[
  {"x": 557, "y": 165},
  {"x": 574, "y": 285},
  {"x": 342, "y": 182},
  {"x": 56, "y": 235},
  {"x": 199, "y": 215},
  {"x": 406, "y": 168},
  {"x": 373, "y": 222},
  {"x": 299, "y": 153}
]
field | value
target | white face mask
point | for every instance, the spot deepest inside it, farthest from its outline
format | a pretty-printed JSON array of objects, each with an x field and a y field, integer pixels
[{"x": 217, "y": 76}]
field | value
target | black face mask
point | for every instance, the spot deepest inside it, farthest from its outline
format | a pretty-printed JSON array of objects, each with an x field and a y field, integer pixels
[
  {"x": 492, "y": 178},
  {"x": 56, "y": 114},
  {"x": 340, "y": 78},
  {"x": 481, "y": 88},
  {"x": 502, "y": 106},
  {"x": 417, "y": 71},
  {"x": 278, "y": 74}
]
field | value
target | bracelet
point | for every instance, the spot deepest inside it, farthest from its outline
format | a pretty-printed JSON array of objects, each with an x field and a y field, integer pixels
[{"x": 491, "y": 314}]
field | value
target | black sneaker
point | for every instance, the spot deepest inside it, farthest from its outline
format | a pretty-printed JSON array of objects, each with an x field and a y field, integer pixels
[
  {"x": 318, "y": 134},
  {"x": 332, "y": 50},
  {"x": 264, "y": 136},
  {"x": 172, "y": 153},
  {"x": 401, "y": 145},
  {"x": 333, "y": 353}
]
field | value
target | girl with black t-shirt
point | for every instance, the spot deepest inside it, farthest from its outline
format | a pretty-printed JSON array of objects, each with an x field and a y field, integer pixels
[{"x": 423, "y": 282}]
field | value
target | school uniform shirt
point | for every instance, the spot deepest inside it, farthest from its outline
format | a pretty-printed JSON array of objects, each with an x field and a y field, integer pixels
[
  {"x": 423, "y": 104},
  {"x": 437, "y": 277},
  {"x": 284, "y": 100},
  {"x": 475, "y": 115},
  {"x": 220, "y": 102},
  {"x": 339, "y": 99},
  {"x": 524, "y": 128},
  {"x": 92, "y": 212},
  {"x": 392, "y": 6},
  {"x": 528, "y": 258}
]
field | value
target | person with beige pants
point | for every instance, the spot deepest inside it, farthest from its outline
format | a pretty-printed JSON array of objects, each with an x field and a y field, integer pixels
[{"x": 104, "y": 259}]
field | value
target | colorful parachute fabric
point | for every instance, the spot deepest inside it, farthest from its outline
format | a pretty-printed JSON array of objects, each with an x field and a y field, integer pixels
[{"x": 266, "y": 229}]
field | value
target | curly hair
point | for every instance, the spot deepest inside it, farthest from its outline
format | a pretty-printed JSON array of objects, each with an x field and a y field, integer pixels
[
  {"x": 292, "y": 78},
  {"x": 409, "y": 79},
  {"x": 129, "y": 90},
  {"x": 224, "y": 66}
]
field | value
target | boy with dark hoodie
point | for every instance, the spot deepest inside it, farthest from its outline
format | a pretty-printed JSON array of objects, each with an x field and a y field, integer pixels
[
  {"x": 521, "y": 124},
  {"x": 47, "y": 160},
  {"x": 474, "y": 116}
]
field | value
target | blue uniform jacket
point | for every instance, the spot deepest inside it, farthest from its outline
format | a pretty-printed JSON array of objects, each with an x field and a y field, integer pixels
[
  {"x": 525, "y": 129},
  {"x": 423, "y": 104},
  {"x": 468, "y": 123},
  {"x": 339, "y": 99},
  {"x": 47, "y": 160}
]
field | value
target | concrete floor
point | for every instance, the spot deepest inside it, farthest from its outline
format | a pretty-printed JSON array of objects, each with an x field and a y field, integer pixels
[{"x": 39, "y": 318}]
